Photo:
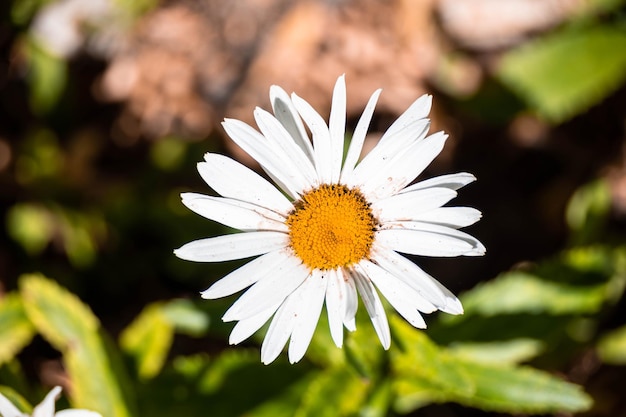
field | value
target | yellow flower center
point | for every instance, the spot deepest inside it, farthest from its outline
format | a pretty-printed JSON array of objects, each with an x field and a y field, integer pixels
[{"x": 331, "y": 226}]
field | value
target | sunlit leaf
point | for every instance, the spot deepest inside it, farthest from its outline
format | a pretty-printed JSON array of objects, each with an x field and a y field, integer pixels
[
  {"x": 70, "y": 326},
  {"x": 501, "y": 352},
  {"x": 521, "y": 292},
  {"x": 428, "y": 373},
  {"x": 361, "y": 351},
  {"x": 563, "y": 74},
  {"x": 334, "y": 392},
  {"x": 148, "y": 338},
  {"x": 612, "y": 347},
  {"x": 16, "y": 330},
  {"x": 423, "y": 372},
  {"x": 521, "y": 390}
]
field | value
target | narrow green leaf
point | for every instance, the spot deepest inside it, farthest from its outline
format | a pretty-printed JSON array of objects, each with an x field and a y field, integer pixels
[
  {"x": 612, "y": 347},
  {"x": 70, "y": 326},
  {"x": 562, "y": 74},
  {"x": 502, "y": 352},
  {"x": 521, "y": 390},
  {"x": 16, "y": 331},
  {"x": 521, "y": 292}
]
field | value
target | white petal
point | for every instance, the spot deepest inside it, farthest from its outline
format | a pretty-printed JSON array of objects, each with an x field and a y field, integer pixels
[
  {"x": 351, "y": 303},
  {"x": 246, "y": 328},
  {"x": 455, "y": 217},
  {"x": 311, "y": 294},
  {"x": 358, "y": 138},
  {"x": 278, "y": 333},
  {"x": 245, "y": 275},
  {"x": 258, "y": 147},
  {"x": 321, "y": 138},
  {"x": 400, "y": 296},
  {"x": 75, "y": 412},
  {"x": 403, "y": 168},
  {"x": 423, "y": 243},
  {"x": 230, "y": 247},
  {"x": 448, "y": 240},
  {"x": 231, "y": 179},
  {"x": 373, "y": 306},
  {"x": 270, "y": 290},
  {"x": 337, "y": 127},
  {"x": 384, "y": 154},
  {"x": 398, "y": 286},
  {"x": 408, "y": 206},
  {"x": 335, "y": 305},
  {"x": 417, "y": 111},
  {"x": 451, "y": 181},
  {"x": 46, "y": 407},
  {"x": 234, "y": 213},
  {"x": 281, "y": 327},
  {"x": 7, "y": 409},
  {"x": 286, "y": 113},
  {"x": 412, "y": 275},
  {"x": 285, "y": 146}
]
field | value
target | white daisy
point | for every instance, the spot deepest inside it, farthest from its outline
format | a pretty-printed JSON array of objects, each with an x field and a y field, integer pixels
[
  {"x": 334, "y": 227},
  {"x": 44, "y": 409}
]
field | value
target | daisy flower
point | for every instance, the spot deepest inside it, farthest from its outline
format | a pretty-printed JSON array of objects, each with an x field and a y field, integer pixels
[
  {"x": 331, "y": 227},
  {"x": 44, "y": 409}
]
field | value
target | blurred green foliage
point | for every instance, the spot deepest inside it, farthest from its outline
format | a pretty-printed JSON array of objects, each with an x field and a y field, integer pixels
[
  {"x": 90, "y": 231},
  {"x": 564, "y": 73}
]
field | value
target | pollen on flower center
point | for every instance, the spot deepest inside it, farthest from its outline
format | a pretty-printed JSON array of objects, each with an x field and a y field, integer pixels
[{"x": 331, "y": 226}]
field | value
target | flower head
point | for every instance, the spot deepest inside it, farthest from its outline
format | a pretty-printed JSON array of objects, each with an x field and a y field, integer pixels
[
  {"x": 333, "y": 226},
  {"x": 44, "y": 409}
]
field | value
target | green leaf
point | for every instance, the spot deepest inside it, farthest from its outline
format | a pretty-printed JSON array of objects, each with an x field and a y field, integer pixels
[
  {"x": 361, "y": 349},
  {"x": 612, "y": 347},
  {"x": 16, "y": 331},
  {"x": 521, "y": 390},
  {"x": 501, "y": 352},
  {"x": 70, "y": 326},
  {"x": 563, "y": 74},
  {"x": 425, "y": 372},
  {"x": 334, "y": 392},
  {"x": 148, "y": 338},
  {"x": 521, "y": 292}
]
